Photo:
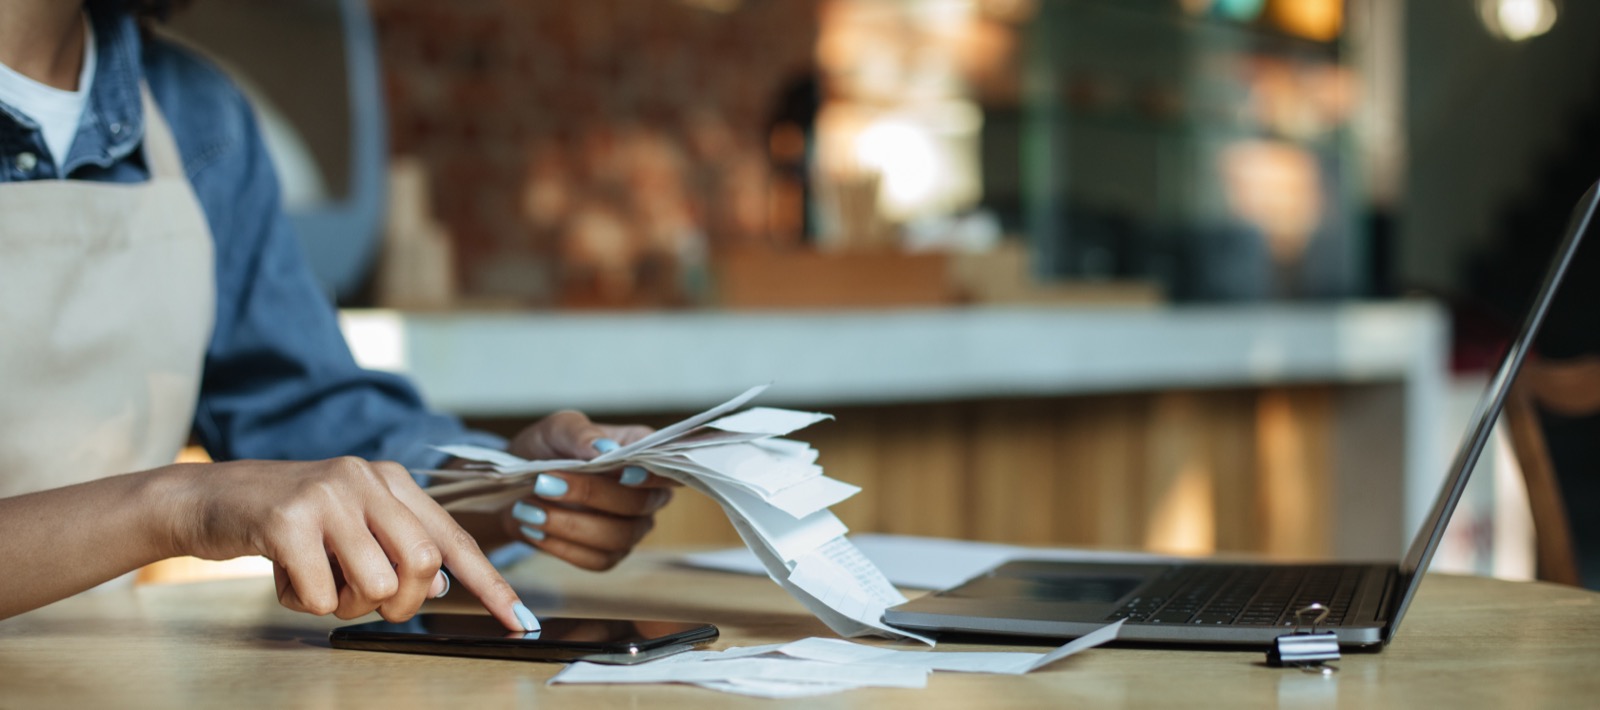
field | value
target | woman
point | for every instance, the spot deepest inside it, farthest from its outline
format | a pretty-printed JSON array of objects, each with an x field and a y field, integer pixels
[{"x": 150, "y": 289}]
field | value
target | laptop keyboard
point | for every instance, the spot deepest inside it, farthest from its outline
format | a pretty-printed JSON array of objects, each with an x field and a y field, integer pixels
[{"x": 1242, "y": 596}]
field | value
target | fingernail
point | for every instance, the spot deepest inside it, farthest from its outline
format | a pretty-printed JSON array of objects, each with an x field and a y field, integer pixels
[
  {"x": 526, "y": 618},
  {"x": 634, "y": 475},
  {"x": 532, "y": 534},
  {"x": 604, "y": 446},
  {"x": 549, "y": 486},
  {"x": 529, "y": 514},
  {"x": 442, "y": 582}
]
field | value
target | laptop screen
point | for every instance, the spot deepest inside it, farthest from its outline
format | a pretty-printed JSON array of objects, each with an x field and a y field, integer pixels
[{"x": 1488, "y": 410}]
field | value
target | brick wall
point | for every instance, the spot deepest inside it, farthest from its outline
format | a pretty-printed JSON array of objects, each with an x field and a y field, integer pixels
[{"x": 588, "y": 152}]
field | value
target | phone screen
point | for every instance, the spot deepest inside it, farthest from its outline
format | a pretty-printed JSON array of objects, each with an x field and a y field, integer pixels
[{"x": 560, "y": 639}]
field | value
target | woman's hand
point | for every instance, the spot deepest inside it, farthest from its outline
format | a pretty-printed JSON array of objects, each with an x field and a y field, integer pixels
[
  {"x": 346, "y": 536},
  {"x": 590, "y": 520}
]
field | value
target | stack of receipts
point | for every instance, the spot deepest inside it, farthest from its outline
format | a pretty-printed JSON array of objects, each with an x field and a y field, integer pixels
[
  {"x": 771, "y": 489},
  {"x": 817, "y": 666}
]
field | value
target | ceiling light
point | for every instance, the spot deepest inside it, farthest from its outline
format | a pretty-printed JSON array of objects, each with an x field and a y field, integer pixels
[{"x": 1518, "y": 20}]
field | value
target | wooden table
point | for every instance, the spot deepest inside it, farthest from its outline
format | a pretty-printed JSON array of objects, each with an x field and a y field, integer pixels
[{"x": 1468, "y": 642}]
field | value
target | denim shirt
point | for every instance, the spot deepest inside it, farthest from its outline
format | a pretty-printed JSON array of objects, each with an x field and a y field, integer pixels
[{"x": 279, "y": 381}]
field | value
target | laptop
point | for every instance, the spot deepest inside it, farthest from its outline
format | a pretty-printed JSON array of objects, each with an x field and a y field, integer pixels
[{"x": 1214, "y": 603}]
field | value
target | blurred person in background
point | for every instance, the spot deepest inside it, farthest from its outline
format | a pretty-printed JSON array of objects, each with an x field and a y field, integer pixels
[{"x": 151, "y": 290}]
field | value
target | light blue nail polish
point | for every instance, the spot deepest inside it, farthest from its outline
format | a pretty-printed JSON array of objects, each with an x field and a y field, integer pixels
[
  {"x": 526, "y": 618},
  {"x": 634, "y": 475},
  {"x": 529, "y": 514},
  {"x": 549, "y": 486},
  {"x": 532, "y": 534},
  {"x": 605, "y": 446}
]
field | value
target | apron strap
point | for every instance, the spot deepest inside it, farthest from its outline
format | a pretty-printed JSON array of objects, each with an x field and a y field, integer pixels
[{"x": 160, "y": 149}]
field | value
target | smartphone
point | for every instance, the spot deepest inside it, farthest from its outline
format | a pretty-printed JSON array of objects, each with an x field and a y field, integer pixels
[{"x": 616, "y": 641}]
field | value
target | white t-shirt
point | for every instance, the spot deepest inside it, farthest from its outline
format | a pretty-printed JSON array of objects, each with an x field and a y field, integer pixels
[{"x": 57, "y": 112}]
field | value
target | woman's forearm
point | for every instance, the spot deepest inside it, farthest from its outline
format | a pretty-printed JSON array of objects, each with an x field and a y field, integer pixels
[
  {"x": 346, "y": 536},
  {"x": 59, "y": 542}
]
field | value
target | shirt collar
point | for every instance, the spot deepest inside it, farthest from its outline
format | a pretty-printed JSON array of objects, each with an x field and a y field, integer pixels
[{"x": 113, "y": 121}]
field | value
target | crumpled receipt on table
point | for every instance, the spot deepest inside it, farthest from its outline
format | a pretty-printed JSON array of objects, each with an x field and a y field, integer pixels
[
  {"x": 770, "y": 487},
  {"x": 817, "y": 666}
]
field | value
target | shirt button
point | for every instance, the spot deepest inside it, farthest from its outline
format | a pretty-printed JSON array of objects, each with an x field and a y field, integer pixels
[
  {"x": 26, "y": 161},
  {"x": 116, "y": 128}
]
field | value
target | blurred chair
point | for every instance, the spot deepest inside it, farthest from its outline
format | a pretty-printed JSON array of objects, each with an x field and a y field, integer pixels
[
  {"x": 310, "y": 67},
  {"x": 1564, "y": 387}
]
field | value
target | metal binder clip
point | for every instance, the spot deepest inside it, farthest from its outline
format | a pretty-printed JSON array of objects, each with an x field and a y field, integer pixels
[{"x": 1307, "y": 650}]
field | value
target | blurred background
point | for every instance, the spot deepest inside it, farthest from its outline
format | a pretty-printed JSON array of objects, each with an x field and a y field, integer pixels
[{"x": 1186, "y": 275}]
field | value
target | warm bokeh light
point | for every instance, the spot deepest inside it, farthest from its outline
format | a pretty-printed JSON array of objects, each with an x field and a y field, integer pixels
[
  {"x": 1183, "y": 517},
  {"x": 926, "y": 156},
  {"x": 900, "y": 119},
  {"x": 1321, "y": 20},
  {"x": 904, "y": 154},
  {"x": 1518, "y": 20},
  {"x": 1292, "y": 495}
]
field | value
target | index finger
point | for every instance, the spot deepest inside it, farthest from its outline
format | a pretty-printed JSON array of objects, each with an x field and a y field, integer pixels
[{"x": 464, "y": 559}]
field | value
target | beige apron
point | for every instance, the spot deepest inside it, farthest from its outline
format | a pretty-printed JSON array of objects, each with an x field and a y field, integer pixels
[{"x": 106, "y": 307}]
